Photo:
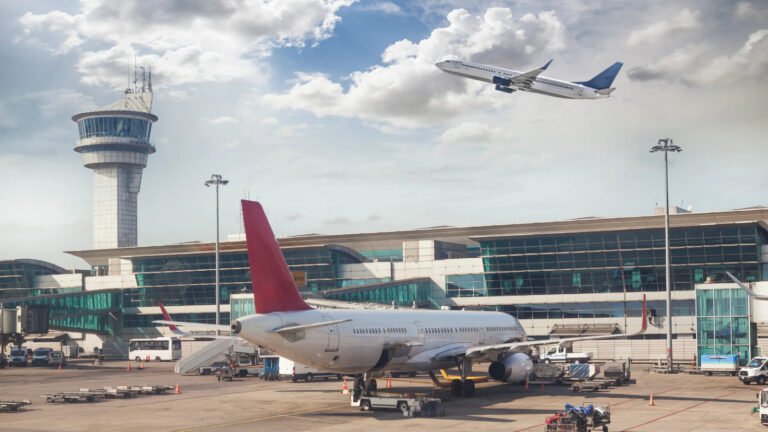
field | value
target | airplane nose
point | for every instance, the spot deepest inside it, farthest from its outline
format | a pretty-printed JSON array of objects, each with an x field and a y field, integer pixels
[{"x": 440, "y": 65}]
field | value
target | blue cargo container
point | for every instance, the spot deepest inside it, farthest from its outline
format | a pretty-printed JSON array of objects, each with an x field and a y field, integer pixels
[{"x": 721, "y": 363}]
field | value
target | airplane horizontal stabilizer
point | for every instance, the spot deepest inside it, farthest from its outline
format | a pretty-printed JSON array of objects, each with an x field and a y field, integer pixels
[
  {"x": 605, "y": 92},
  {"x": 297, "y": 327}
]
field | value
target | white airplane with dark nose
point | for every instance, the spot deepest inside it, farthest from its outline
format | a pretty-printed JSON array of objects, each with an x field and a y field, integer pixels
[
  {"x": 367, "y": 343},
  {"x": 510, "y": 81}
]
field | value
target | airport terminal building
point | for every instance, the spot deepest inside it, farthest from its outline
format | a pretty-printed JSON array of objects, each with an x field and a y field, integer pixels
[{"x": 561, "y": 279}]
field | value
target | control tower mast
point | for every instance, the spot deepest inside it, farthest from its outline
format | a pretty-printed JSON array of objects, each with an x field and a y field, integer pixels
[{"x": 114, "y": 142}]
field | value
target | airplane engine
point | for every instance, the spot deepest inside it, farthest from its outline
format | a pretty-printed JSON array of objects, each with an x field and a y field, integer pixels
[
  {"x": 504, "y": 89},
  {"x": 514, "y": 368},
  {"x": 499, "y": 81}
]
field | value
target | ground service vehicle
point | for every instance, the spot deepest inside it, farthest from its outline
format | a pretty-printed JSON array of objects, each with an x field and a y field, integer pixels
[
  {"x": 18, "y": 357},
  {"x": 299, "y": 372},
  {"x": 565, "y": 354},
  {"x": 56, "y": 359},
  {"x": 40, "y": 356},
  {"x": 158, "y": 349},
  {"x": 762, "y": 402},
  {"x": 755, "y": 371},
  {"x": 720, "y": 363}
]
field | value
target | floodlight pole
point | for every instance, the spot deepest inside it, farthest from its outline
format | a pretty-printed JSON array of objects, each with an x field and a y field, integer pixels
[
  {"x": 217, "y": 180},
  {"x": 666, "y": 145}
]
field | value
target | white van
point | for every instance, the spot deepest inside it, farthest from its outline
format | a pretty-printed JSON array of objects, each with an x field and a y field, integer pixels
[{"x": 297, "y": 371}]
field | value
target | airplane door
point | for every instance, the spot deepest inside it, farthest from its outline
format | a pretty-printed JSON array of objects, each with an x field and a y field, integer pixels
[
  {"x": 419, "y": 332},
  {"x": 333, "y": 336}
]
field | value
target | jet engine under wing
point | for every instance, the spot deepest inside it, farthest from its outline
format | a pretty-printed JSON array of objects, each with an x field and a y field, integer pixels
[
  {"x": 526, "y": 80},
  {"x": 492, "y": 351},
  {"x": 746, "y": 288}
]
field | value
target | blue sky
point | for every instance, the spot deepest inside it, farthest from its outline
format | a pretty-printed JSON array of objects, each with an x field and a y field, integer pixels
[{"x": 332, "y": 113}]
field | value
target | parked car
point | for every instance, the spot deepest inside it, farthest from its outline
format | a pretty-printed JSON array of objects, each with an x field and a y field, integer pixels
[
  {"x": 18, "y": 357},
  {"x": 57, "y": 359},
  {"x": 40, "y": 356}
]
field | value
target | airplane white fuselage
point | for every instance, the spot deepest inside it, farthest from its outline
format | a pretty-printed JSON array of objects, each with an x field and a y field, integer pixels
[
  {"x": 541, "y": 84},
  {"x": 398, "y": 339}
]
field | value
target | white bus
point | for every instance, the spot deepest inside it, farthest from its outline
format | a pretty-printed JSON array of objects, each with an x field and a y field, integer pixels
[{"x": 158, "y": 349}]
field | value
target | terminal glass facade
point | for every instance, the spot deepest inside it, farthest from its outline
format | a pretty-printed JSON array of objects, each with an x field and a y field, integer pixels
[
  {"x": 115, "y": 126},
  {"x": 605, "y": 262},
  {"x": 17, "y": 278},
  {"x": 402, "y": 293},
  {"x": 722, "y": 320},
  {"x": 655, "y": 308},
  {"x": 88, "y": 311}
]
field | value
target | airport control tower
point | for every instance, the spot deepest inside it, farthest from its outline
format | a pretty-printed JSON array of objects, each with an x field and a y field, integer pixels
[{"x": 114, "y": 142}]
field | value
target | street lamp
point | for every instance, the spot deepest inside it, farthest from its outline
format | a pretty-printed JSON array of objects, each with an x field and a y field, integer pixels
[
  {"x": 217, "y": 181},
  {"x": 666, "y": 145}
]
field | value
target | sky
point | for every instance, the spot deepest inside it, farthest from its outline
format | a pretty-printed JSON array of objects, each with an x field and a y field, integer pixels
[{"x": 333, "y": 115}]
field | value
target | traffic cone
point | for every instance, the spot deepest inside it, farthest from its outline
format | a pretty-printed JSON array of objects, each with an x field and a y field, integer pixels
[
  {"x": 344, "y": 388},
  {"x": 526, "y": 384},
  {"x": 650, "y": 401},
  {"x": 542, "y": 387},
  {"x": 178, "y": 388},
  {"x": 141, "y": 366},
  {"x": 389, "y": 382},
  {"x": 129, "y": 367},
  {"x": 60, "y": 365}
]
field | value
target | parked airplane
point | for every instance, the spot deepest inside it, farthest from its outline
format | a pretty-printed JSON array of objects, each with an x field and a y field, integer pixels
[
  {"x": 366, "y": 343},
  {"x": 509, "y": 81},
  {"x": 746, "y": 288}
]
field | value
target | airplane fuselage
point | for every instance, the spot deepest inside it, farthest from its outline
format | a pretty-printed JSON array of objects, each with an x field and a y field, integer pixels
[
  {"x": 402, "y": 339},
  {"x": 541, "y": 84}
]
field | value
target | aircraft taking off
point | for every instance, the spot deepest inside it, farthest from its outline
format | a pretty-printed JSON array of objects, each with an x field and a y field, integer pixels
[
  {"x": 366, "y": 343},
  {"x": 509, "y": 81}
]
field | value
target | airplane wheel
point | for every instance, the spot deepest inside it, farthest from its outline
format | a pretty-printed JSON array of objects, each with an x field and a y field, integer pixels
[
  {"x": 468, "y": 388},
  {"x": 456, "y": 388}
]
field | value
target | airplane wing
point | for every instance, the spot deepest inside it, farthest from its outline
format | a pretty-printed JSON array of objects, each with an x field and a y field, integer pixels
[
  {"x": 526, "y": 80},
  {"x": 492, "y": 351},
  {"x": 746, "y": 288}
]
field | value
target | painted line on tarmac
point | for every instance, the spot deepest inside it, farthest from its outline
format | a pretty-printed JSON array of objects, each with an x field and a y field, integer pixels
[
  {"x": 611, "y": 405},
  {"x": 629, "y": 429},
  {"x": 255, "y": 419}
]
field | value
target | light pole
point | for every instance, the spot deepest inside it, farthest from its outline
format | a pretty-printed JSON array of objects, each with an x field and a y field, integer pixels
[
  {"x": 217, "y": 181},
  {"x": 666, "y": 145}
]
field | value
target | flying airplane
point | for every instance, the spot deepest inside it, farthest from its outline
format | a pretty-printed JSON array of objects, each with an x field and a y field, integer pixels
[
  {"x": 509, "y": 81},
  {"x": 365, "y": 343},
  {"x": 746, "y": 288}
]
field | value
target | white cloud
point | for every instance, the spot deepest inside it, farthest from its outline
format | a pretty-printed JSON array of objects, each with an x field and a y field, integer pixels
[
  {"x": 685, "y": 20},
  {"x": 186, "y": 42},
  {"x": 383, "y": 7},
  {"x": 221, "y": 120},
  {"x": 408, "y": 91},
  {"x": 689, "y": 65},
  {"x": 750, "y": 61}
]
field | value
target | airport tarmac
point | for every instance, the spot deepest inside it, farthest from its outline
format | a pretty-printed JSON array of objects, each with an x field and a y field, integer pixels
[{"x": 682, "y": 403}]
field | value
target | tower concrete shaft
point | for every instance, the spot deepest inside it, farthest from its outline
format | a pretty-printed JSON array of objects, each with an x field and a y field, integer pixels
[{"x": 114, "y": 142}]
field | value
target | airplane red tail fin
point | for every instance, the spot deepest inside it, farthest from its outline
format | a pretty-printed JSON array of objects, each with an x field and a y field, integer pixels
[
  {"x": 167, "y": 317},
  {"x": 273, "y": 287}
]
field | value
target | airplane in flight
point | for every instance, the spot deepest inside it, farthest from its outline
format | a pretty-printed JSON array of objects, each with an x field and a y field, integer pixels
[
  {"x": 366, "y": 343},
  {"x": 510, "y": 81}
]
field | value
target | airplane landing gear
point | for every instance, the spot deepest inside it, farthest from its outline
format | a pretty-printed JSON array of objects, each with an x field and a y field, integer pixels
[
  {"x": 463, "y": 387},
  {"x": 364, "y": 385}
]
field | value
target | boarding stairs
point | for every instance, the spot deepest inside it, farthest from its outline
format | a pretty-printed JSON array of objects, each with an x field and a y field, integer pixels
[{"x": 212, "y": 352}]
